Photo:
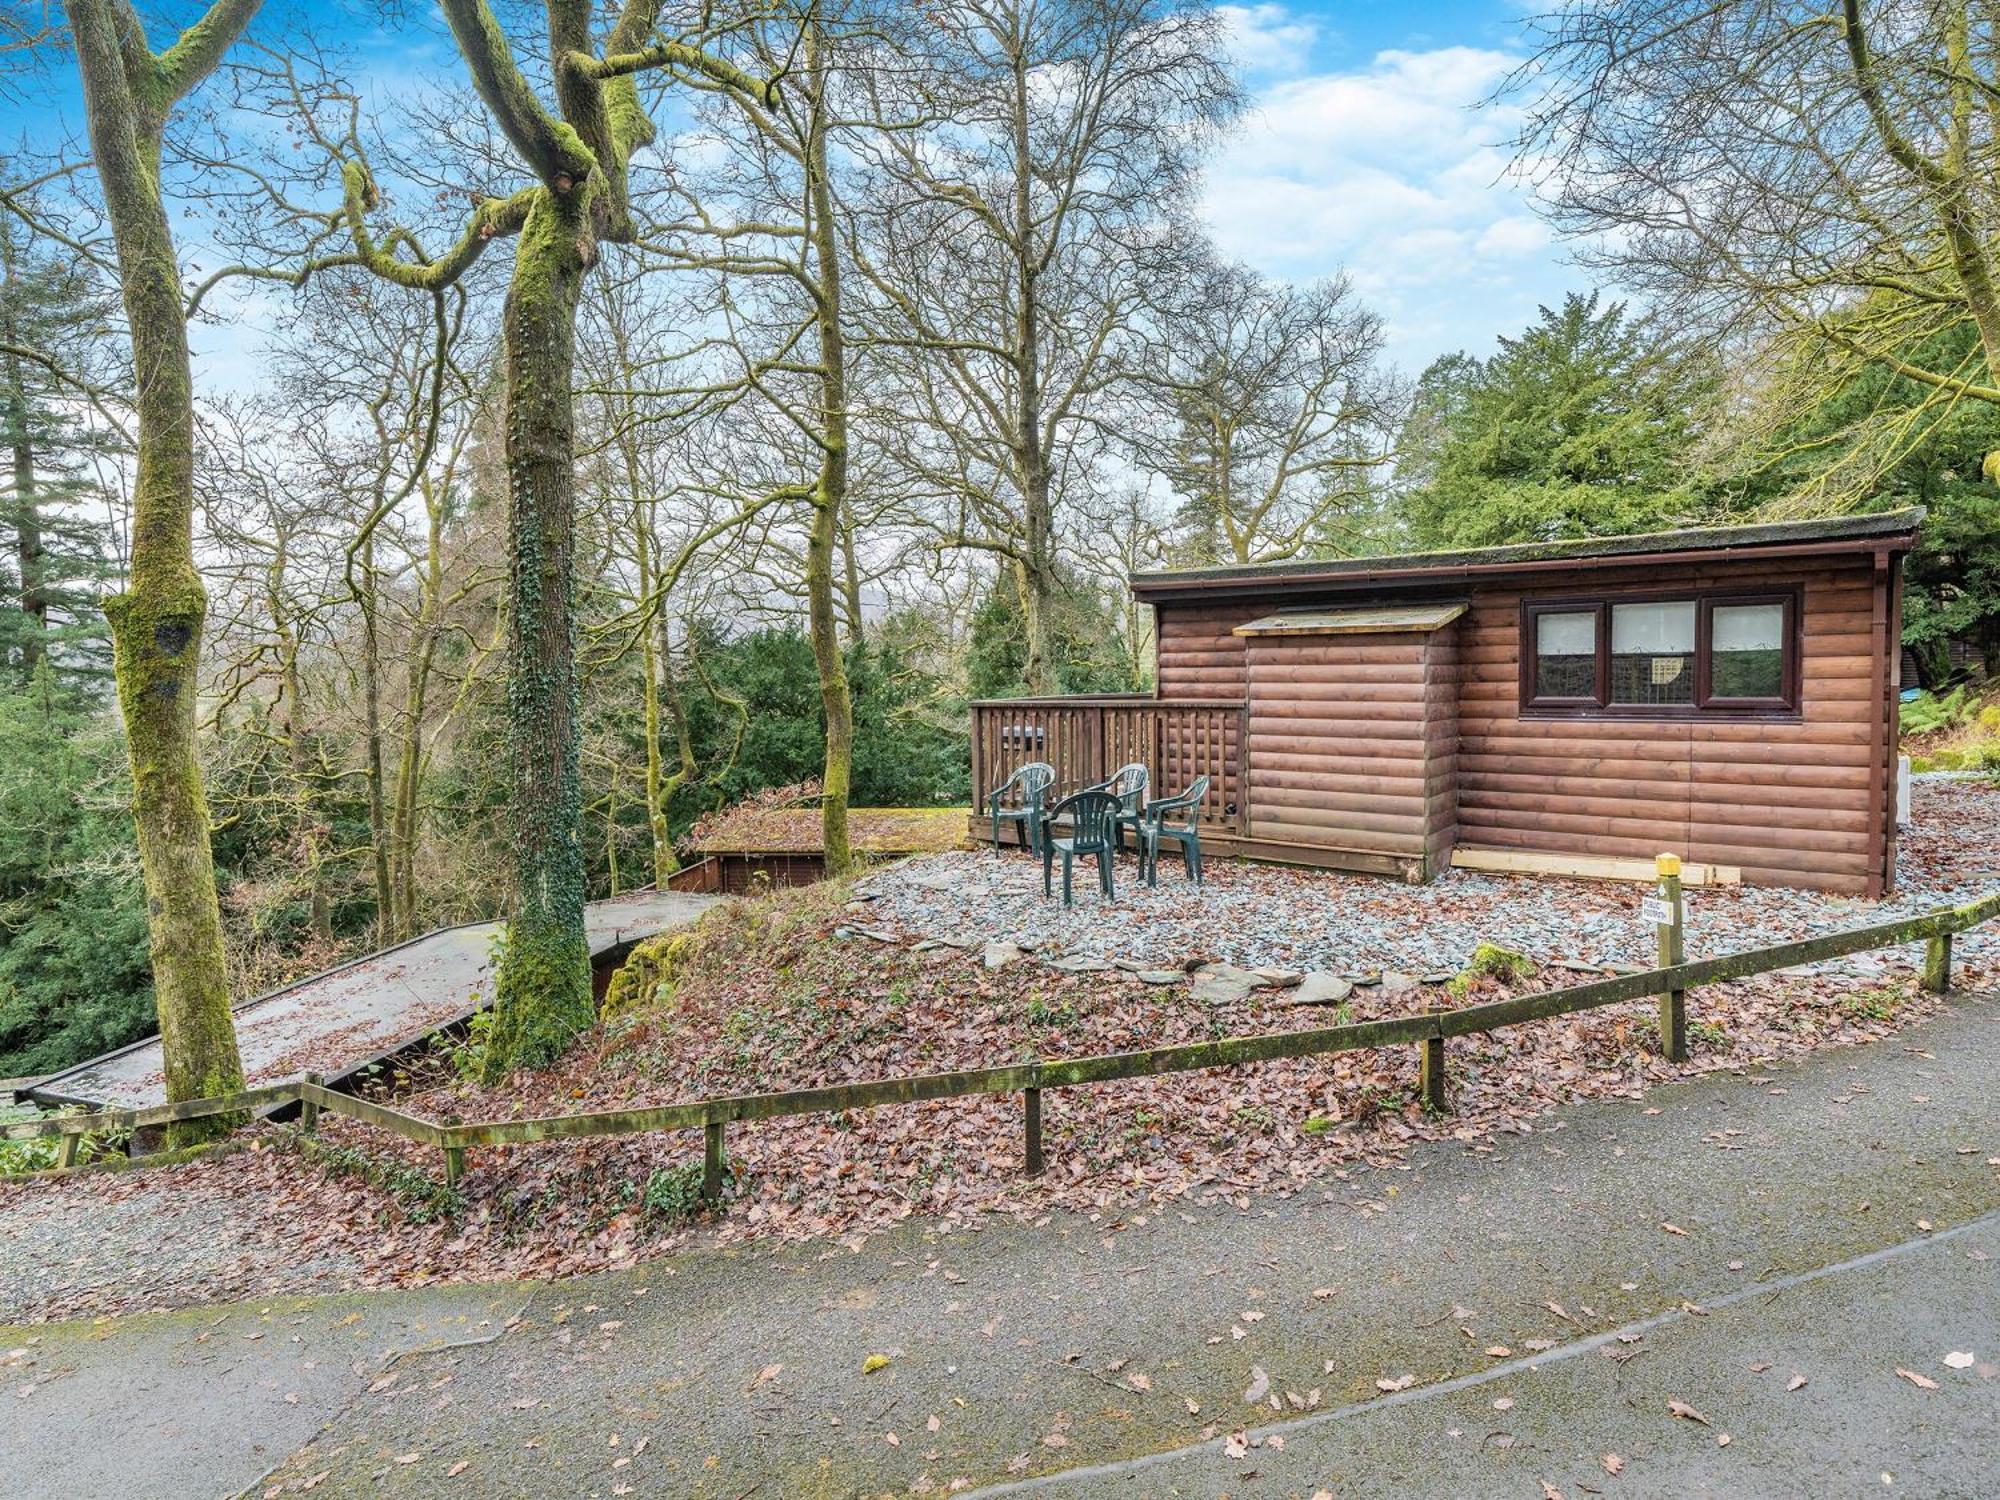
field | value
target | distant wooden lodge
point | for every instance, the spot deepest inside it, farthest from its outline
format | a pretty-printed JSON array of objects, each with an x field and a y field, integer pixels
[
  {"x": 1727, "y": 694},
  {"x": 747, "y": 847}
]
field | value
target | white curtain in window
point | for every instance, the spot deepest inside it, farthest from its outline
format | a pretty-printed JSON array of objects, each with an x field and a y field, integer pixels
[
  {"x": 1665, "y": 629},
  {"x": 1566, "y": 635},
  {"x": 1747, "y": 627}
]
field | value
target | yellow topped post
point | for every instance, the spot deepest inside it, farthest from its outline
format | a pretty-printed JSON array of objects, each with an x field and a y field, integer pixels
[{"x": 1673, "y": 1003}]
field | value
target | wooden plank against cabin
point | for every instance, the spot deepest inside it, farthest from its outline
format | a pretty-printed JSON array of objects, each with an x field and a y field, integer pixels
[{"x": 1584, "y": 866}]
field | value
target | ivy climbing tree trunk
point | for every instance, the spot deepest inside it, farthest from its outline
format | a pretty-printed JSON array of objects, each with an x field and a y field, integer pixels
[
  {"x": 157, "y": 621},
  {"x": 577, "y": 153},
  {"x": 543, "y": 995}
]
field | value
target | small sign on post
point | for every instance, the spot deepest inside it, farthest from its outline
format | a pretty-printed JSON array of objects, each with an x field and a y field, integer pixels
[{"x": 1663, "y": 909}]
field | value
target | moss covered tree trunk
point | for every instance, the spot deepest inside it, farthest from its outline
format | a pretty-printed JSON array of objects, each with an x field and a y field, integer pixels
[
  {"x": 830, "y": 494},
  {"x": 157, "y": 621},
  {"x": 542, "y": 995}
]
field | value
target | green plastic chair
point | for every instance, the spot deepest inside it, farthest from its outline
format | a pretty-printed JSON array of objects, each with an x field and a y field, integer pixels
[
  {"x": 1128, "y": 784},
  {"x": 1029, "y": 785},
  {"x": 1174, "y": 818},
  {"x": 1093, "y": 829}
]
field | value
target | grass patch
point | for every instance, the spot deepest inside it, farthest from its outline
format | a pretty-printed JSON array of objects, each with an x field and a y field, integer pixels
[
  {"x": 1870, "y": 1005},
  {"x": 1041, "y": 1011},
  {"x": 1490, "y": 961}
]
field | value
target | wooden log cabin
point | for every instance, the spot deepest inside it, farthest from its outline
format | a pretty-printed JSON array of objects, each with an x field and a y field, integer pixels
[{"x": 1727, "y": 694}]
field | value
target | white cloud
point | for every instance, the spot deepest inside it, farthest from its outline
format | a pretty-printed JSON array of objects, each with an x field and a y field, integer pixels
[
  {"x": 1396, "y": 170},
  {"x": 1269, "y": 38},
  {"x": 1518, "y": 234}
]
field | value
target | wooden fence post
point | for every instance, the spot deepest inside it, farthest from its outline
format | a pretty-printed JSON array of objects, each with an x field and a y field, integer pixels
[
  {"x": 1673, "y": 1003},
  {"x": 1031, "y": 1100},
  {"x": 1937, "y": 964},
  {"x": 72, "y": 1144},
  {"x": 711, "y": 1162},
  {"x": 454, "y": 1165},
  {"x": 309, "y": 1107},
  {"x": 1436, "y": 1099}
]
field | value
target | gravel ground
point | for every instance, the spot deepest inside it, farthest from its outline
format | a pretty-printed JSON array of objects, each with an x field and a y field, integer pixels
[
  {"x": 102, "y": 1243},
  {"x": 1360, "y": 925}
]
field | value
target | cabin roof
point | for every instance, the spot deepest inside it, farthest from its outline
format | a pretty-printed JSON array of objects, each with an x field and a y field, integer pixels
[
  {"x": 1895, "y": 530},
  {"x": 1413, "y": 617}
]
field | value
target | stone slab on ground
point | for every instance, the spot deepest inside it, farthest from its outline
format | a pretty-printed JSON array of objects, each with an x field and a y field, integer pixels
[
  {"x": 1321, "y": 988},
  {"x": 744, "y": 1372}
]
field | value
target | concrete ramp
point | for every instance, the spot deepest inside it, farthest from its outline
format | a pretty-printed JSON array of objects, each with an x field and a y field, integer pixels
[{"x": 349, "y": 1017}]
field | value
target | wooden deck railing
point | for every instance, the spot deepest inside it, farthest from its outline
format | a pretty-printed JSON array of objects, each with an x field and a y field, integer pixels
[
  {"x": 1087, "y": 738},
  {"x": 1429, "y": 1032}
]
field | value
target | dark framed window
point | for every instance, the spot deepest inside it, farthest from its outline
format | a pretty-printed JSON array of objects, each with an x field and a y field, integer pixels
[{"x": 1661, "y": 655}]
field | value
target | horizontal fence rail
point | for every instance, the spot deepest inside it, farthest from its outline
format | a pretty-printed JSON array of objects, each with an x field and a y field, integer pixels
[{"x": 1429, "y": 1030}]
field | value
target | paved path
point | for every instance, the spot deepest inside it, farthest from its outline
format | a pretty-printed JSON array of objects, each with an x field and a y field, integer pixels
[{"x": 1081, "y": 1357}]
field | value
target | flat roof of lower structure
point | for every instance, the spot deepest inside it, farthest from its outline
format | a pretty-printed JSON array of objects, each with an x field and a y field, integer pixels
[{"x": 365, "y": 1009}]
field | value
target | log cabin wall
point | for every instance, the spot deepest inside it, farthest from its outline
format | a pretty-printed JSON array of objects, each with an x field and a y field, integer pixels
[
  {"x": 1338, "y": 745},
  {"x": 1790, "y": 799},
  {"x": 1443, "y": 676},
  {"x": 1408, "y": 744}
]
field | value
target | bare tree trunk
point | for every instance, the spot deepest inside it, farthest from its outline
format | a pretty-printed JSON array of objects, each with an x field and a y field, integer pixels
[
  {"x": 157, "y": 621},
  {"x": 1037, "y": 519},
  {"x": 416, "y": 697},
  {"x": 654, "y": 647},
  {"x": 542, "y": 995},
  {"x": 387, "y": 922},
  {"x": 26, "y": 519},
  {"x": 850, "y": 582},
  {"x": 305, "y": 783}
]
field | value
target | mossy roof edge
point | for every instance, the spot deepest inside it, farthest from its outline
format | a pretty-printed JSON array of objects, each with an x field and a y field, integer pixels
[{"x": 1862, "y": 530}]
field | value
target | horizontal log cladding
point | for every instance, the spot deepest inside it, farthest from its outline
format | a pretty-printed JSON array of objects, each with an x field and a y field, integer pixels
[
  {"x": 1350, "y": 741},
  {"x": 1408, "y": 742}
]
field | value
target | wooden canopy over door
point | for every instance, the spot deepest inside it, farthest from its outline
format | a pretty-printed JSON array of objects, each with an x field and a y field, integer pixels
[{"x": 1353, "y": 734}]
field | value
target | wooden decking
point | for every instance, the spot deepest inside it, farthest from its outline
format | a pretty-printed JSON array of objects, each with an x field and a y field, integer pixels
[{"x": 1088, "y": 738}]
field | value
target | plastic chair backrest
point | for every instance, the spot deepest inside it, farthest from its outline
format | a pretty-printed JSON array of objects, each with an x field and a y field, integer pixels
[
  {"x": 1093, "y": 820},
  {"x": 1033, "y": 779},
  {"x": 1128, "y": 785},
  {"x": 1189, "y": 802}
]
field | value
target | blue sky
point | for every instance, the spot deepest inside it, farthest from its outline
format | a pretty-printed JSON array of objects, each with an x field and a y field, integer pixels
[{"x": 1365, "y": 148}]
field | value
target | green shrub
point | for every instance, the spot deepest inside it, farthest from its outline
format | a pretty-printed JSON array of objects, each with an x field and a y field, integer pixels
[
  {"x": 1490, "y": 960},
  {"x": 674, "y": 1193},
  {"x": 468, "y": 1055},
  {"x": 1927, "y": 713}
]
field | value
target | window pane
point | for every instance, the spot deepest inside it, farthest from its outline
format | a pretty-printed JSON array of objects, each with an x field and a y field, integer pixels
[
  {"x": 1652, "y": 653},
  {"x": 1747, "y": 651},
  {"x": 1566, "y": 655}
]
